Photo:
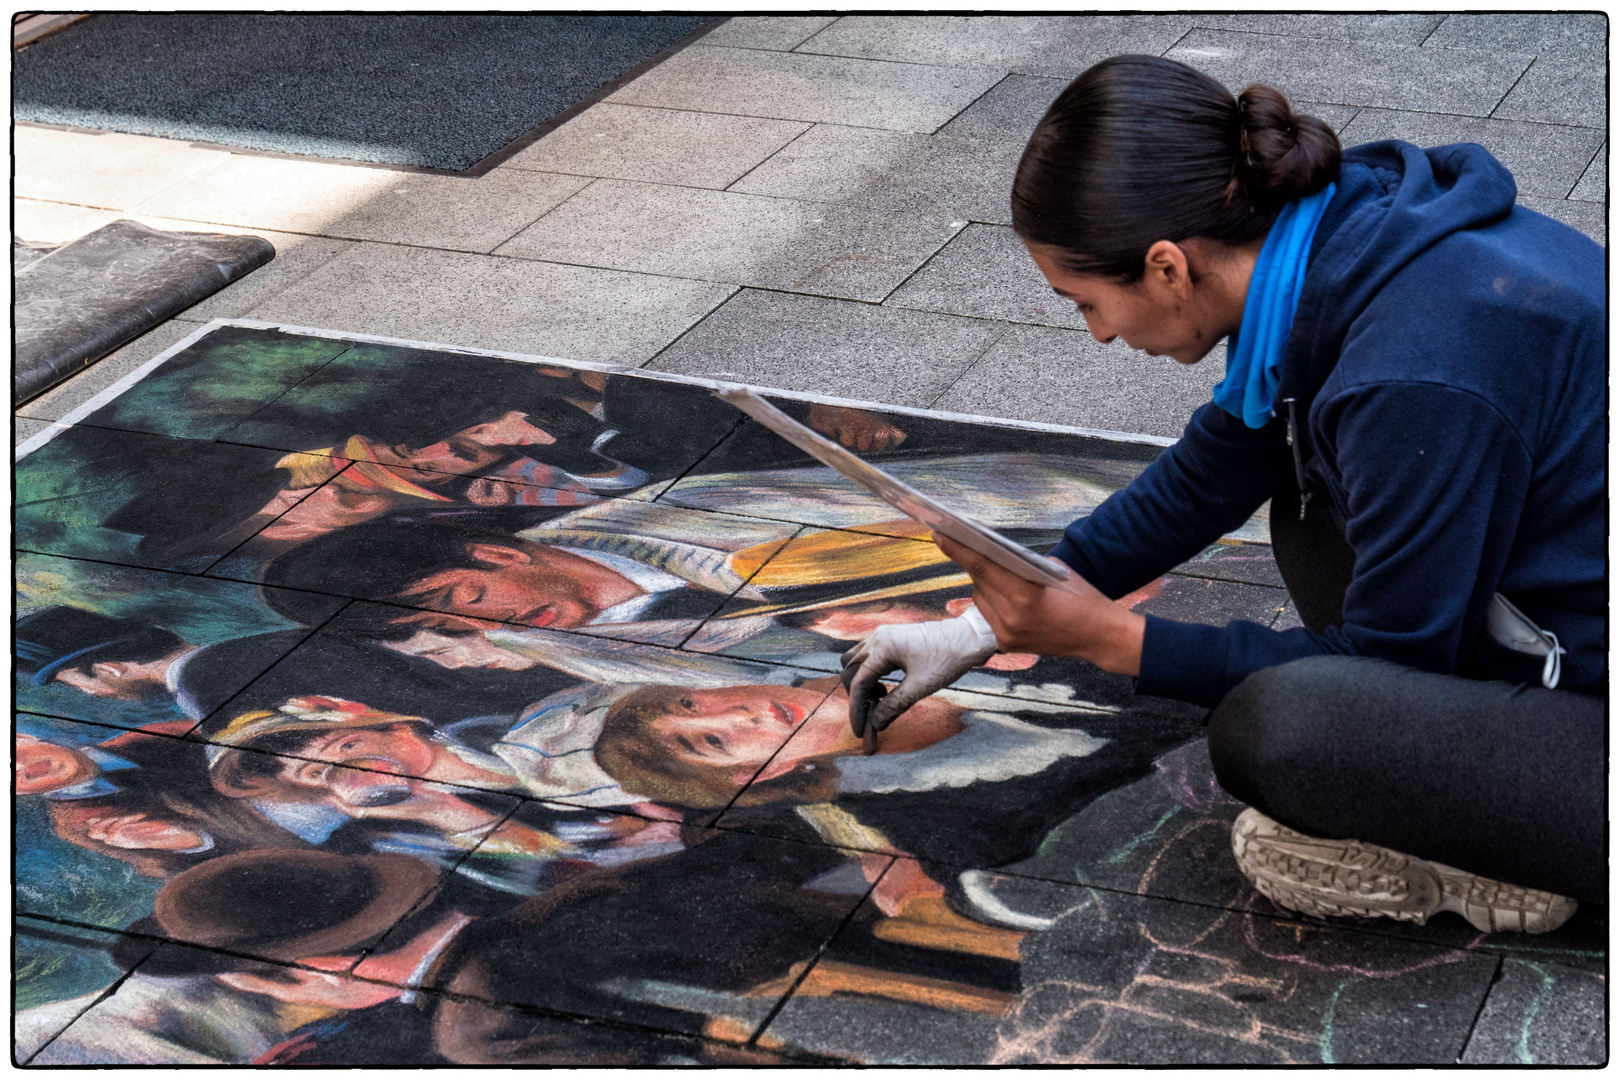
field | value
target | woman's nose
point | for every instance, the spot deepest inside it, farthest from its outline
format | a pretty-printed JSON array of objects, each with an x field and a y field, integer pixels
[{"x": 1099, "y": 330}]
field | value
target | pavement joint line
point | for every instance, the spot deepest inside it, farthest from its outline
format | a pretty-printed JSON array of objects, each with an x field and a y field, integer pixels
[
  {"x": 105, "y": 994},
  {"x": 1169, "y": 48},
  {"x": 1503, "y": 99},
  {"x": 1435, "y": 31},
  {"x": 987, "y": 92},
  {"x": 444, "y": 879},
  {"x": 977, "y": 360},
  {"x": 936, "y": 253},
  {"x": 1484, "y": 999},
  {"x": 1599, "y": 152},
  {"x": 763, "y": 116},
  {"x": 809, "y": 127},
  {"x": 821, "y": 951},
  {"x": 160, "y": 941},
  {"x": 193, "y": 731}
]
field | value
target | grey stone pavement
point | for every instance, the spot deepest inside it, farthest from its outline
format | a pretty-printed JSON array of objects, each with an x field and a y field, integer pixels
[{"x": 820, "y": 204}]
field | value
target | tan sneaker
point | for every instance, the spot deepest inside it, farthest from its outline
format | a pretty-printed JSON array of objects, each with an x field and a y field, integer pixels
[{"x": 1348, "y": 877}]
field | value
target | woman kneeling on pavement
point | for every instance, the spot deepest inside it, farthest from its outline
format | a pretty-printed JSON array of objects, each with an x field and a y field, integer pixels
[{"x": 1415, "y": 379}]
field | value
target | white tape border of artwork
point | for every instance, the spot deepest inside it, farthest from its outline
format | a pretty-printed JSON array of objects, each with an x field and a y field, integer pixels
[{"x": 40, "y": 438}]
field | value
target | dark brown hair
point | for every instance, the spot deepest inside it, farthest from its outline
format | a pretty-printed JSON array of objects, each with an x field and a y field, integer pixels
[
  {"x": 1140, "y": 149},
  {"x": 634, "y": 755}
]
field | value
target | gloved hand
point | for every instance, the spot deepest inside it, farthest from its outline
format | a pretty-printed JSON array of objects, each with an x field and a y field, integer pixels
[{"x": 932, "y": 654}]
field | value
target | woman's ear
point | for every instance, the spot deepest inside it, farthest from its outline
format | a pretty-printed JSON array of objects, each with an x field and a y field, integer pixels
[{"x": 1166, "y": 266}]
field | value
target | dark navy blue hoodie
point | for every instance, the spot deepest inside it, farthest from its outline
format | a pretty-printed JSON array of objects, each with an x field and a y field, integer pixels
[{"x": 1447, "y": 360}]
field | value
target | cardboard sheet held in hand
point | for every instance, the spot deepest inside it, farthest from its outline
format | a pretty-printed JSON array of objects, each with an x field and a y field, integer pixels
[{"x": 1007, "y": 554}]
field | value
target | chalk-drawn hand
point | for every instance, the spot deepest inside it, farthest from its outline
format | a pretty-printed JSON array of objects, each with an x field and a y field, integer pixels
[
  {"x": 856, "y": 429},
  {"x": 932, "y": 654},
  {"x": 1052, "y": 622}
]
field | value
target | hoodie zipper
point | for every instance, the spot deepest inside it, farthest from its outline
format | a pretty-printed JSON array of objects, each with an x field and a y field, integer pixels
[{"x": 1299, "y": 461}]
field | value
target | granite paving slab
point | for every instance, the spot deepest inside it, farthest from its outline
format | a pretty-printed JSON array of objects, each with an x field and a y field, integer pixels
[
  {"x": 1542, "y": 1014},
  {"x": 1252, "y": 563},
  {"x": 1563, "y": 33},
  {"x": 1544, "y": 159},
  {"x": 985, "y": 272},
  {"x": 1169, "y": 836},
  {"x": 658, "y": 146},
  {"x": 812, "y": 247},
  {"x": 1210, "y": 601},
  {"x": 53, "y": 223},
  {"x": 820, "y": 89},
  {"x": 780, "y": 32},
  {"x": 90, "y": 296},
  {"x": 1129, "y": 980},
  {"x": 297, "y": 257},
  {"x": 1007, "y": 111},
  {"x": 1374, "y": 27},
  {"x": 1138, "y": 981},
  {"x": 1594, "y": 182},
  {"x": 151, "y": 647},
  {"x": 1470, "y": 82},
  {"x": 963, "y": 178},
  {"x": 147, "y": 500},
  {"x": 1061, "y": 376},
  {"x": 830, "y": 346},
  {"x": 59, "y": 970},
  {"x": 1054, "y": 45},
  {"x": 293, "y": 195},
  {"x": 512, "y": 305},
  {"x": 1560, "y": 90},
  {"x": 109, "y": 169}
]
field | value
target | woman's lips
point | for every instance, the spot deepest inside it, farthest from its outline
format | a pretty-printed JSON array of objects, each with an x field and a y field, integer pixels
[
  {"x": 784, "y": 713},
  {"x": 542, "y": 616}
]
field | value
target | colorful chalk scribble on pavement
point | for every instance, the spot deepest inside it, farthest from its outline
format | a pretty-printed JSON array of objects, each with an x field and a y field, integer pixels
[{"x": 398, "y": 705}]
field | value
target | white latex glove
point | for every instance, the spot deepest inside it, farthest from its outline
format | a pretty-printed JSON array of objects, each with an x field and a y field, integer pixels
[{"x": 932, "y": 654}]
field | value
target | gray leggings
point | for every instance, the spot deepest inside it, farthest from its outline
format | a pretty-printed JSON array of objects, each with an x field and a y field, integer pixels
[{"x": 1495, "y": 778}]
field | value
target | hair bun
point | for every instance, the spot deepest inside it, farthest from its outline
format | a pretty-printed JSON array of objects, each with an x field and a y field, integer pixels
[{"x": 1281, "y": 154}]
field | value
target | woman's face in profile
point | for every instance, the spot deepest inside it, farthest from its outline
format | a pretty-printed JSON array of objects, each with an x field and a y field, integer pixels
[{"x": 1159, "y": 314}]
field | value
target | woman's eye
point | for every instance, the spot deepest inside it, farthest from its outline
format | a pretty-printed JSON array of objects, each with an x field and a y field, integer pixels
[
  {"x": 686, "y": 703},
  {"x": 714, "y": 741}
]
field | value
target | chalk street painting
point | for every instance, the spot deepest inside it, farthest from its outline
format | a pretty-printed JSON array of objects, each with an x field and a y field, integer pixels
[{"x": 379, "y": 704}]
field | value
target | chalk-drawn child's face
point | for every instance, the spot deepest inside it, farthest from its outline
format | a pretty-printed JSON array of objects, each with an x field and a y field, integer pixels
[
  {"x": 43, "y": 766},
  {"x": 734, "y": 726}
]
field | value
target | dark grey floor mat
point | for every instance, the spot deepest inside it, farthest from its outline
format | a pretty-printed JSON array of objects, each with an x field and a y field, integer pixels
[
  {"x": 78, "y": 303},
  {"x": 438, "y": 91}
]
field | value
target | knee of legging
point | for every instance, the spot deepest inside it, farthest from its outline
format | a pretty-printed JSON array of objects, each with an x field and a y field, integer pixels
[{"x": 1264, "y": 727}]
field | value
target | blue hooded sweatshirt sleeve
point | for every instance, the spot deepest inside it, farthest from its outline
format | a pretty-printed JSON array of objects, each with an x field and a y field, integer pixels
[{"x": 1448, "y": 358}]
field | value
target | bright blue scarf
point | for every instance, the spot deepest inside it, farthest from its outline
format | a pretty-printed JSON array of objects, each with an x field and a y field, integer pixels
[{"x": 1254, "y": 354}]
